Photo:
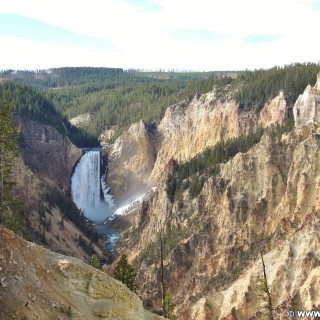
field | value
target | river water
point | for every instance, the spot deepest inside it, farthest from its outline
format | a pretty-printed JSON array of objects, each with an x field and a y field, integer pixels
[{"x": 86, "y": 186}]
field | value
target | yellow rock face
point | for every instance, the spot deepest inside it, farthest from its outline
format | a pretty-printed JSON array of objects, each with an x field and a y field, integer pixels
[
  {"x": 139, "y": 157},
  {"x": 267, "y": 199},
  {"x": 36, "y": 283}
]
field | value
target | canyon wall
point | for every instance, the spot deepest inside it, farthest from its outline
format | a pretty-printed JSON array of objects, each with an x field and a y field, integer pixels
[
  {"x": 139, "y": 157},
  {"x": 307, "y": 108},
  {"x": 47, "y": 153},
  {"x": 266, "y": 200},
  {"x": 43, "y": 170}
]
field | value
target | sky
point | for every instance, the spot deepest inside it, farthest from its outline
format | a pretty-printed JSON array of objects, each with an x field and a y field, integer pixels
[{"x": 201, "y": 35}]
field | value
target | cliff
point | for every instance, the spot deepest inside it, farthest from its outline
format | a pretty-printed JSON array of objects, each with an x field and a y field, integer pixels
[
  {"x": 131, "y": 160},
  {"x": 47, "y": 153},
  {"x": 265, "y": 200},
  {"x": 36, "y": 283},
  {"x": 43, "y": 170},
  {"x": 139, "y": 157},
  {"x": 307, "y": 108}
]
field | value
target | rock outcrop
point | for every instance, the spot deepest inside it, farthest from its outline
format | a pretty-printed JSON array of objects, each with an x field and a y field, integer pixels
[
  {"x": 47, "y": 153},
  {"x": 82, "y": 120},
  {"x": 107, "y": 135},
  {"x": 274, "y": 112},
  {"x": 131, "y": 160},
  {"x": 307, "y": 108},
  {"x": 36, "y": 283}
]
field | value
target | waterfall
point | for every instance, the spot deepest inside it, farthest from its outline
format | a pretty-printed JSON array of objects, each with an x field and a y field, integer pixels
[
  {"x": 108, "y": 198},
  {"x": 85, "y": 188}
]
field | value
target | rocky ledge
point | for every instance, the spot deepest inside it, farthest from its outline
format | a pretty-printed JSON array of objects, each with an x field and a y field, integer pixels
[{"x": 36, "y": 283}]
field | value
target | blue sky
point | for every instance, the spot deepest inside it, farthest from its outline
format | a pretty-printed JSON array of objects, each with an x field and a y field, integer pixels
[
  {"x": 153, "y": 34},
  {"x": 19, "y": 27}
]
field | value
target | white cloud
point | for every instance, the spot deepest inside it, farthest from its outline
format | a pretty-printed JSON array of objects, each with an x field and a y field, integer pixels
[
  {"x": 144, "y": 38},
  {"x": 25, "y": 54}
]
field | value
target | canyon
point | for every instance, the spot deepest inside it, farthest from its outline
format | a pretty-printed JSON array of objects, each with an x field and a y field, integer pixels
[
  {"x": 265, "y": 200},
  {"x": 142, "y": 153}
]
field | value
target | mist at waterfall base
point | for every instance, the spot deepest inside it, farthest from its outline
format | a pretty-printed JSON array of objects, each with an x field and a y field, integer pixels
[{"x": 85, "y": 191}]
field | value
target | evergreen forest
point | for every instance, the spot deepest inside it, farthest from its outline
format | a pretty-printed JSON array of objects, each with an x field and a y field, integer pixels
[
  {"x": 116, "y": 98},
  {"x": 29, "y": 104}
]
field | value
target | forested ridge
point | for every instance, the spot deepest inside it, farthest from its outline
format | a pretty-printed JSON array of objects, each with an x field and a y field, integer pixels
[
  {"x": 116, "y": 98},
  {"x": 32, "y": 105},
  {"x": 255, "y": 88}
]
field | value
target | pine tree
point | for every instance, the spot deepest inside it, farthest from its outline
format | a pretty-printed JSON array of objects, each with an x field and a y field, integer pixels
[
  {"x": 125, "y": 273},
  {"x": 264, "y": 292},
  {"x": 169, "y": 306},
  {"x": 95, "y": 262},
  {"x": 9, "y": 147}
]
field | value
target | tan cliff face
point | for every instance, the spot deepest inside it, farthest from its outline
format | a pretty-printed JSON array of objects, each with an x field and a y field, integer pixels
[
  {"x": 139, "y": 157},
  {"x": 47, "y": 153},
  {"x": 36, "y": 283},
  {"x": 187, "y": 129},
  {"x": 307, "y": 108},
  {"x": 265, "y": 200},
  {"x": 131, "y": 159},
  {"x": 274, "y": 112}
]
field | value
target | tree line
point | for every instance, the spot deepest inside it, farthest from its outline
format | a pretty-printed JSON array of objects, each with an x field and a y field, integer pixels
[
  {"x": 114, "y": 97},
  {"x": 254, "y": 88},
  {"x": 117, "y": 98},
  {"x": 30, "y": 104}
]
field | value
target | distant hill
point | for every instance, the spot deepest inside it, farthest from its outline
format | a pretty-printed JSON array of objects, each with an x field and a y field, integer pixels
[
  {"x": 116, "y": 98},
  {"x": 112, "y": 95},
  {"x": 33, "y": 105}
]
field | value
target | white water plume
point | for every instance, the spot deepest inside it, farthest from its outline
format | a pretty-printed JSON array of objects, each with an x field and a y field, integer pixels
[{"x": 85, "y": 187}]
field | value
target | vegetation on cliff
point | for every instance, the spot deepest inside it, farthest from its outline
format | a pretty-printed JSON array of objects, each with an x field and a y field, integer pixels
[
  {"x": 32, "y": 105},
  {"x": 54, "y": 197},
  {"x": 125, "y": 273},
  {"x": 193, "y": 173},
  {"x": 95, "y": 262},
  {"x": 12, "y": 213},
  {"x": 114, "y": 97},
  {"x": 255, "y": 88}
]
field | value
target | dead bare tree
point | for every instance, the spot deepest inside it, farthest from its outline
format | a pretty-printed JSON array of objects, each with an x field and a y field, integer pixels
[{"x": 163, "y": 291}]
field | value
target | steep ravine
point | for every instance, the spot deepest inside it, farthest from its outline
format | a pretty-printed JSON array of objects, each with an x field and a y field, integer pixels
[
  {"x": 42, "y": 171},
  {"x": 267, "y": 199}
]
